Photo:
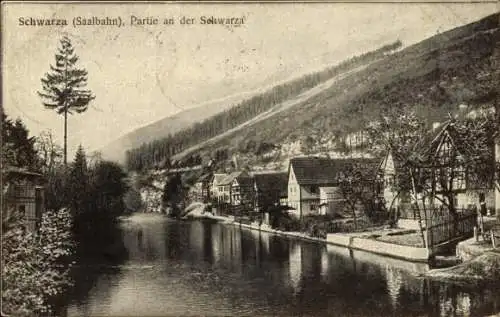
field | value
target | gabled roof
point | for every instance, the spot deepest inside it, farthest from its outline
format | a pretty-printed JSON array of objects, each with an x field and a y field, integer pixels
[
  {"x": 204, "y": 178},
  {"x": 323, "y": 171},
  {"x": 218, "y": 178},
  {"x": 276, "y": 181},
  {"x": 435, "y": 138},
  {"x": 231, "y": 177},
  {"x": 398, "y": 165}
]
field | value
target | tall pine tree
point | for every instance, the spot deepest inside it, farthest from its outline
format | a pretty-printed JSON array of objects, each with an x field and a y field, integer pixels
[{"x": 63, "y": 87}]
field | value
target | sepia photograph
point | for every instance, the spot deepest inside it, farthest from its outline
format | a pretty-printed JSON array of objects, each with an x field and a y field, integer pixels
[{"x": 257, "y": 158}]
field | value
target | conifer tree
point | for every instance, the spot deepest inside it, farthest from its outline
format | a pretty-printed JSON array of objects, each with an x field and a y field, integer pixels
[
  {"x": 79, "y": 181},
  {"x": 63, "y": 87}
]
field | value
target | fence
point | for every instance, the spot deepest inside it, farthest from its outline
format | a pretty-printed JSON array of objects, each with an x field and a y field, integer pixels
[
  {"x": 347, "y": 225},
  {"x": 445, "y": 228}
]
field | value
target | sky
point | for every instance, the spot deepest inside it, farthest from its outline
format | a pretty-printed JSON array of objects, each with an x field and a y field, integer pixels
[{"x": 142, "y": 73}]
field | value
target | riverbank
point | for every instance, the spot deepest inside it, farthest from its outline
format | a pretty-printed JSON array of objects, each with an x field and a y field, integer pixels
[
  {"x": 396, "y": 242},
  {"x": 483, "y": 269},
  {"x": 254, "y": 226},
  {"x": 363, "y": 241}
]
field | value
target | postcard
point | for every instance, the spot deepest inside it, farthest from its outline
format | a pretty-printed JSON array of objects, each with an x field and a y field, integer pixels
[{"x": 250, "y": 158}]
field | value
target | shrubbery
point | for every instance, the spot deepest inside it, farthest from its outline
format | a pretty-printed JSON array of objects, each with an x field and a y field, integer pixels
[
  {"x": 132, "y": 200},
  {"x": 35, "y": 266}
]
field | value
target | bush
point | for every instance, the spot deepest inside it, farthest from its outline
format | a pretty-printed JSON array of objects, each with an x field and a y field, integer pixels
[
  {"x": 132, "y": 200},
  {"x": 35, "y": 265},
  {"x": 284, "y": 222},
  {"x": 315, "y": 226}
]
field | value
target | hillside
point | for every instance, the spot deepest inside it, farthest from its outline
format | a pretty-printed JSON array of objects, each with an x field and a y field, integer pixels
[
  {"x": 255, "y": 108},
  {"x": 115, "y": 150},
  {"x": 316, "y": 113},
  {"x": 204, "y": 121},
  {"x": 434, "y": 76}
]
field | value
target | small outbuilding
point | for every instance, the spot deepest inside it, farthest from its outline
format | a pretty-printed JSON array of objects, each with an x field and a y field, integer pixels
[{"x": 23, "y": 195}]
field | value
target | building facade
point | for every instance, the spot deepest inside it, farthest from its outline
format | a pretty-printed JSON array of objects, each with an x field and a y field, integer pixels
[
  {"x": 311, "y": 178},
  {"x": 23, "y": 194},
  {"x": 446, "y": 173}
]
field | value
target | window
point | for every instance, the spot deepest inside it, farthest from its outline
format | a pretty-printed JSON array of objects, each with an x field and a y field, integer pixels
[
  {"x": 22, "y": 211},
  {"x": 313, "y": 207},
  {"x": 389, "y": 180},
  {"x": 445, "y": 151},
  {"x": 459, "y": 178},
  {"x": 314, "y": 189}
]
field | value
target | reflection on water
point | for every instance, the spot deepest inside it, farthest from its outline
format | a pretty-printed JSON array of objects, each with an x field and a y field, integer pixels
[{"x": 200, "y": 268}]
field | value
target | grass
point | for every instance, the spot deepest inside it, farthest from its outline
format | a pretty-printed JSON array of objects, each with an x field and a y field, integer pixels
[{"x": 408, "y": 239}]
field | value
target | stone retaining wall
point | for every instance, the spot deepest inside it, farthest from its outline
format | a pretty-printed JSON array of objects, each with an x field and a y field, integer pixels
[{"x": 379, "y": 247}]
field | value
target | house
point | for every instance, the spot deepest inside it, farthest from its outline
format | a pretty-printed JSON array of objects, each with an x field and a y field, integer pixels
[
  {"x": 236, "y": 189},
  {"x": 330, "y": 200},
  {"x": 270, "y": 189},
  {"x": 23, "y": 193},
  {"x": 201, "y": 188},
  {"x": 448, "y": 155},
  {"x": 308, "y": 177},
  {"x": 445, "y": 169},
  {"x": 391, "y": 168},
  {"x": 217, "y": 192}
]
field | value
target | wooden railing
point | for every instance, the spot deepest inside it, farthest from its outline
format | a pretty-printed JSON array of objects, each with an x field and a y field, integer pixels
[{"x": 446, "y": 228}]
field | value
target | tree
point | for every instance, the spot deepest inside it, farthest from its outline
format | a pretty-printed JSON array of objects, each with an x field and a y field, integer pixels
[
  {"x": 432, "y": 170},
  {"x": 107, "y": 189},
  {"x": 34, "y": 264},
  {"x": 79, "y": 182},
  {"x": 132, "y": 200},
  {"x": 18, "y": 148},
  {"x": 173, "y": 194},
  {"x": 63, "y": 87},
  {"x": 470, "y": 158},
  {"x": 358, "y": 186},
  {"x": 399, "y": 133},
  {"x": 49, "y": 151}
]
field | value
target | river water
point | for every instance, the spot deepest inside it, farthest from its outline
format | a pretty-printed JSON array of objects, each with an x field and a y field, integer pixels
[{"x": 199, "y": 268}]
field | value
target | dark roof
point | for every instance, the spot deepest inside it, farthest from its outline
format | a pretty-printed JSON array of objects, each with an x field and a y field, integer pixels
[
  {"x": 324, "y": 171},
  {"x": 20, "y": 171},
  {"x": 272, "y": 181},
  {"x": 217, "y": 178},
  {"x": 241, "y": 175},
  {"x": 205, "y": 178}
]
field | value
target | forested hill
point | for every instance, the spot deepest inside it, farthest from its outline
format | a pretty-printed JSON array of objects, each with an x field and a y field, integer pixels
[
  {"x": 115, "y": 150},
  {"x": 155, "y": 152},
  {"x": 433, "y": 76}
]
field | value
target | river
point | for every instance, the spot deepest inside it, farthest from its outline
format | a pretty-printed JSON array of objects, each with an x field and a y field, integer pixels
[{"x": 200, "y": 268}]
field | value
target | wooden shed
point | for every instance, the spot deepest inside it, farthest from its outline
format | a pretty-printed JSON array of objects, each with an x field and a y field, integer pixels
[{"x": 23, "y": 193}]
